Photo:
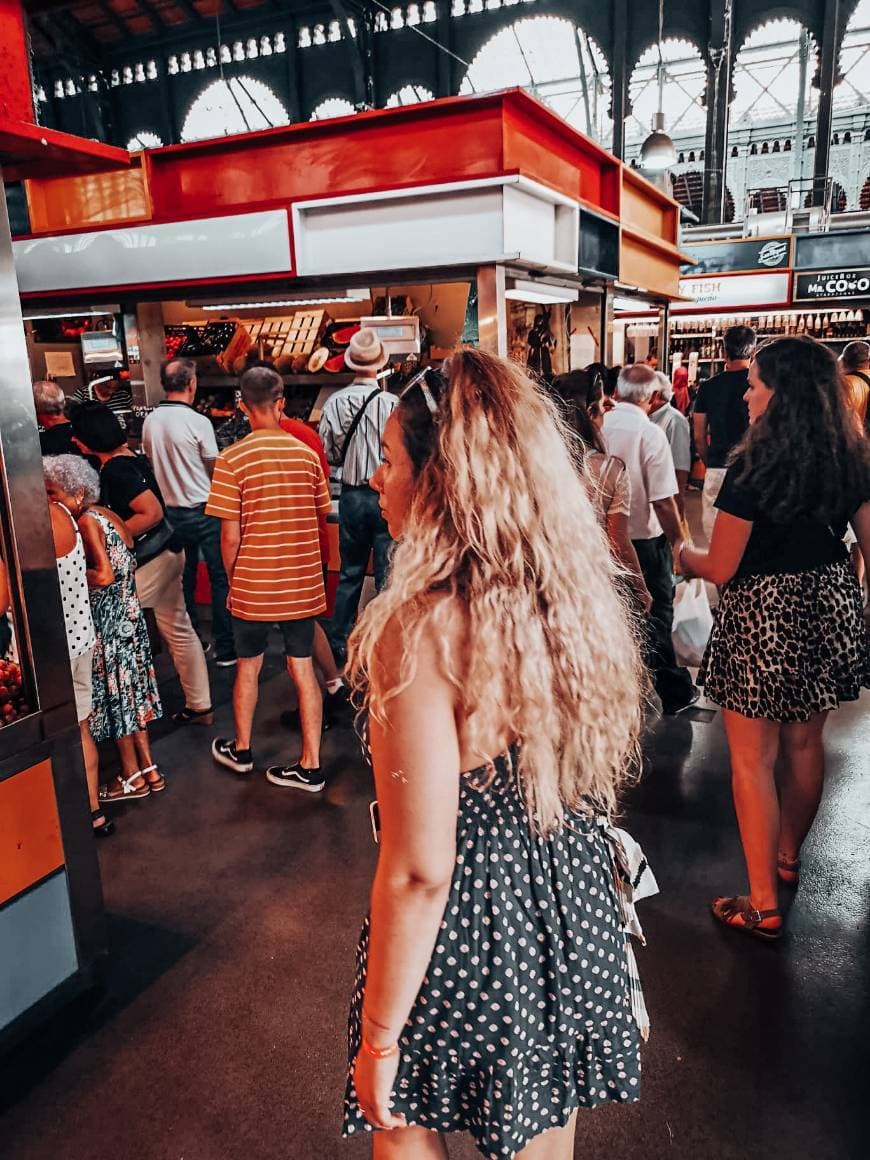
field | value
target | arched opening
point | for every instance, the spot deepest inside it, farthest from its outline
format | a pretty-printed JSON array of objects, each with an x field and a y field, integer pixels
[
  {"x": 143, "y": 140},
  {"x": 684, "y": 80},
  {"x": 410, "y": 95},
  {"x": 864, "y": 199},
  {"x": 237, "y": 105},
  {"x": 332, "y": 107},
  {"x": 772, "y": 77},
  {"x": 839, "y": 199},
  {"x": 557, "y": 62},
  {"x": 853, "y": 91},
  {"x": 688, "y": 189}
]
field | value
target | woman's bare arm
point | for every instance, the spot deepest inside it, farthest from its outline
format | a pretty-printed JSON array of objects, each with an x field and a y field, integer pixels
[
  {"x": 623, "y": 549},
  {"x": 416, "y": 764},
  {"x": 718, "y": 565},
  {"x": 147, "y": 513},
  {"x": 100, "y": 572}
]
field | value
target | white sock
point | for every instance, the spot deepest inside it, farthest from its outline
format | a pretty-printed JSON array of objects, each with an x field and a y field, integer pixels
[{"x": 334, "y": 686}]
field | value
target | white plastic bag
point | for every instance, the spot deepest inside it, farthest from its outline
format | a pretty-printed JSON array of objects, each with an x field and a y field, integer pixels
[{"x": 693, "y": 622}]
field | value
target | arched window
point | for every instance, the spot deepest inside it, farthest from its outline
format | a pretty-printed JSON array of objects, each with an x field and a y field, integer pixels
[
  {"x": 143, "y": 140},
  {"x": 238, "y": 105},
  {"x": 410, "y": 95},
  {"x": 775, "y": 63},
  {"x": 554, "y": 60},
  {"x": 853, "y": 91},
  {"x": 333, "y": 107},
  {"x": 688, "y": 189},
  {"x": 684, "y": 80}
]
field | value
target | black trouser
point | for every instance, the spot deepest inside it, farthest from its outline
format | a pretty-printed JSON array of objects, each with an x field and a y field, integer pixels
[
  {"x": 362, "y": 531},
  {"x": 672, "y": 682},
  {"x": 202, "y": 534}
]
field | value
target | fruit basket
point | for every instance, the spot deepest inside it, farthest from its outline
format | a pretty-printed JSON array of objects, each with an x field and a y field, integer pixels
[{"x": 13, "y": 698}]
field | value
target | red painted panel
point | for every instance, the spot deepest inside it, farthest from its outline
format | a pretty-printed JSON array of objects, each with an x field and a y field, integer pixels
[
  {"x": 348, "y": 156},
  {"x": 16, "y": 98}
]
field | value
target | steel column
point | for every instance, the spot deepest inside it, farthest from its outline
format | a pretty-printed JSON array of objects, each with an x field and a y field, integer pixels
[
  {"x": 619, "y": 75},
  {"x": 828, "y": 59},
  {"x": 719, "y": 64}
]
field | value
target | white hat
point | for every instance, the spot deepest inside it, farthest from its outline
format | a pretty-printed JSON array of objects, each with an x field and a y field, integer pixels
[{"x": 366, "y": 352}]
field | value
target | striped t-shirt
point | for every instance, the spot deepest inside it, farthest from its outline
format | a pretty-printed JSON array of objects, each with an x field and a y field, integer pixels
[{"x": 274, "y": 486}]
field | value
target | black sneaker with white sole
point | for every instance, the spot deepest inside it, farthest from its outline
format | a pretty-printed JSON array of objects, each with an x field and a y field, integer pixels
[
  {"x": 296, "y": 777},
  {"x": 224, "y": 751}
]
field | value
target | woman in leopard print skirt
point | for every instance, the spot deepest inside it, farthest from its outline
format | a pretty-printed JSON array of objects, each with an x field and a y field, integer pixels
[{"x": 789, "y": 643}]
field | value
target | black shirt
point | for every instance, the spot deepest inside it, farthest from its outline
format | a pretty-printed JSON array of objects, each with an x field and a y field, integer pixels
[
  {"x": 124, "y": 478},
  {"x": 797, "y": 545},
  {"x": 721, "y": 400}
]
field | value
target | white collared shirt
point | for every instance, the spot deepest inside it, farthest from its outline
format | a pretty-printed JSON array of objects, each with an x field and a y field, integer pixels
[{"x": 644, "y": 449}]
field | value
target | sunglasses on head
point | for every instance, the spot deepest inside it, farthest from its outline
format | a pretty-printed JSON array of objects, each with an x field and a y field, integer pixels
[{"x": 428, "y": 380}]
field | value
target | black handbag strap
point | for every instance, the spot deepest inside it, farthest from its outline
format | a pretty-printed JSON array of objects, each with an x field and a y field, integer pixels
[{"x": 357, "y": 419}]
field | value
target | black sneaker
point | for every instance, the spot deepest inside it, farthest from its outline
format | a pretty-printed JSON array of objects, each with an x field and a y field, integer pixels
[
  {"x": 225, "y": 662},
  {"x": 225, "y": 753},
  {"x": 295, "y": 777},
  {"x": 336, "y": 705},
  {"x": 675, "y": 709}
]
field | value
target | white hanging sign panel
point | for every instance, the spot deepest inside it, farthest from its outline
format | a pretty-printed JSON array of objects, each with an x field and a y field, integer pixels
[{"x": 735, "y": 292}]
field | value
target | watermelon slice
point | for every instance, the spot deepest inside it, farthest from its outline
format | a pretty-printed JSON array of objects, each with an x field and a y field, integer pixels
[
  {"x": 343, "y": 335},
  {"x": 335, "y": 365}
]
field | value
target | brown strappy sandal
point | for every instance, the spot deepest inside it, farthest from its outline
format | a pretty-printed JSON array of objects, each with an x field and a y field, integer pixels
[
  {"x": 740, "y": 914},
  {"x": 788, "y": 869},
  {"x": 154, "y": 779}
]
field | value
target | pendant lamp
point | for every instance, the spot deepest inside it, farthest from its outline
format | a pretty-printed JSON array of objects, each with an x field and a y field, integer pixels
[{"x": 657, "y": 152}]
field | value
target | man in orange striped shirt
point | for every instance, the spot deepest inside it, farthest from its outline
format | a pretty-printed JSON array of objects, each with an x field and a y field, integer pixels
[{"x": 268, "y": 490}]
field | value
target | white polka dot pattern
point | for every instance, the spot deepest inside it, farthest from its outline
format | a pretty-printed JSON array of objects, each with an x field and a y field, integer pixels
[
  {"x": 71, "y": 571},
  {"x": 525, "y": 1011}
]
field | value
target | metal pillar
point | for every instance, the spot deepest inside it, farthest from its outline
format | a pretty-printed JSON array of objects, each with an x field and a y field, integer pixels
[
  {"x": 719, "y": 65},
  {"x": 828, "y": 57},
  {"x": 295, "y": 95},
  {"x": 492, "y": 310},
  {"x": 619, "y": 88},
  {"x": 803, "y": 62},
  {"x": 444, "y": 33}
]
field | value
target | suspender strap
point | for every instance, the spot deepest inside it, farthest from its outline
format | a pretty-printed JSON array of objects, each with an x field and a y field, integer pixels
[{"x": 357, "y": 419}]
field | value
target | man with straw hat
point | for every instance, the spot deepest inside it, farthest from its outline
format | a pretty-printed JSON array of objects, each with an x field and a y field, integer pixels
[{"x": 351, "y": 426}]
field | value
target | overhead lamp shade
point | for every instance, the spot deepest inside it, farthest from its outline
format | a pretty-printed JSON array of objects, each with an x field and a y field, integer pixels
[{"x": 657, "y": 152}]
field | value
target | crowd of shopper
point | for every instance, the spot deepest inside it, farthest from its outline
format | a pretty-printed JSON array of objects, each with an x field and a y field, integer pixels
[{"x": 525, "y": 543}]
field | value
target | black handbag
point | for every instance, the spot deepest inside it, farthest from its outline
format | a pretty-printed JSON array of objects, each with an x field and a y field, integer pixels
[{"x": 150, "y": 544}]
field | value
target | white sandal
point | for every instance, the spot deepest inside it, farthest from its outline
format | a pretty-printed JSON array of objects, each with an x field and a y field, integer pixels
[
  {"x": 128, "y": 790},
  {"x": 157, "y": 786}
]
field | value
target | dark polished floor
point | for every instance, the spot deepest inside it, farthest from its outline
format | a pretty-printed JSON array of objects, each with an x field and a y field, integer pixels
[{"x": 233, "y": 914}]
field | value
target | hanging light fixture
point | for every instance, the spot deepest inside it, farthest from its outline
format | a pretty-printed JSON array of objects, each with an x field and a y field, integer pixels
[{"x": 657, "y": 153}]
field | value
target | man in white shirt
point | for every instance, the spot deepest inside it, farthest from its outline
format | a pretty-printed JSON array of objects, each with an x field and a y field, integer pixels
[
  {"x": 654, "y": 523},
  {"x": 677, "y": 431},
  {"x": 182, "y": 448},
  {"x": 351, "y": 425}
]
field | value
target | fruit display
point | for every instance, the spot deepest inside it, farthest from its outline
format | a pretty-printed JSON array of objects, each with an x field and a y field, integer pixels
[
  {"x": 173, "y": 339},
  {"x": 13, "y": 698}
]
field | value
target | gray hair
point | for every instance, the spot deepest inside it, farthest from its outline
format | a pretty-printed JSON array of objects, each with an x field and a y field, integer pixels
[
  {"x": 72, "y": 474},
  {"x": 48, "y": 398},
  {"x": 636, "y": 384},
  {"x": 176, "y": 375},
  {"x": 664, "y": 386}
]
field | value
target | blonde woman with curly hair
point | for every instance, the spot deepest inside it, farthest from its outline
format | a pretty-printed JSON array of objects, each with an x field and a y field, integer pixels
[{"x": 496, "y": 991}]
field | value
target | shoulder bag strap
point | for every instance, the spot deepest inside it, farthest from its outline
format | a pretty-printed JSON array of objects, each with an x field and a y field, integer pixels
[{"x": 357, "y": 419}]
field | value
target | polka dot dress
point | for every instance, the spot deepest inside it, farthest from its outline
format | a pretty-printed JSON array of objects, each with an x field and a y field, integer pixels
[
  {"x": 525, "y": 1011},
  {"x": 71, "y": 571}
]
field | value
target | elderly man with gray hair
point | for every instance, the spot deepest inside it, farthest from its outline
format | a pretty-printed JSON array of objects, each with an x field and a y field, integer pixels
[
  {"x": 654, "y": 523},
  {"x": 677, "y": 432},
  {"x": 55, "y": 438}
]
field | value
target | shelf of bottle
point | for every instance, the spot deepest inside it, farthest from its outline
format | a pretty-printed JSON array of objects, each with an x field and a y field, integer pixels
[{"x": 231, "y": 382}]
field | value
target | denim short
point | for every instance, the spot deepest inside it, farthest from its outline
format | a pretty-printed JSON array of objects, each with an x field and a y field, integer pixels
[{"x": 251, "y": 637}]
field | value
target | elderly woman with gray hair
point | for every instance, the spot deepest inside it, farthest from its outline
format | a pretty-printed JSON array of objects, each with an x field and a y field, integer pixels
[{"x": 125, "y": 696}]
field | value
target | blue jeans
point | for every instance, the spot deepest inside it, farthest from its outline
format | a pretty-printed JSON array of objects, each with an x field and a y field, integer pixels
[
  {"x": 361, "y": 530},
  {"x": 202, "y": 534}
]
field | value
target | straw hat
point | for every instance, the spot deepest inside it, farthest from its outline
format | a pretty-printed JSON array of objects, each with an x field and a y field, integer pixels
[{"x": 366, "y": 352}]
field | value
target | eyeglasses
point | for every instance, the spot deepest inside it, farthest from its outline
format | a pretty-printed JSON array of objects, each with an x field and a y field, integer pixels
[{"x": 426, "y": 379}]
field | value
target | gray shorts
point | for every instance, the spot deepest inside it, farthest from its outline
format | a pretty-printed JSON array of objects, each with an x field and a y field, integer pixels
[
  {"x": 82, "y": 668},
  {"x": 251, "y": 637}
]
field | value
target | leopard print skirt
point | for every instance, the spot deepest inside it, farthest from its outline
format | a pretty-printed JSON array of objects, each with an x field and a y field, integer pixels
[{"x": 788, "y": 646}]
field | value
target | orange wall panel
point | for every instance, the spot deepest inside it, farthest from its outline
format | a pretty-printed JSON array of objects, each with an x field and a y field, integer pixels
[
  {"x": 642, "y": 265},
  {"x": 65, "y": 203},
  {"x": 646, "y": 210},
  {"x": 30, "y": 841}
]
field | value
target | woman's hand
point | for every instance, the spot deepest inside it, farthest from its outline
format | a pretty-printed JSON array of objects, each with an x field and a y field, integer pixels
[{"x": 374, "y": 1079}]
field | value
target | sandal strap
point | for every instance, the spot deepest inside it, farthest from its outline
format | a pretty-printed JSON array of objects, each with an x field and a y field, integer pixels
[
  {"x": 148, "y": 769},
  {"x": 742, "y": 908},
  {"x": 787, "y": 863},
  {"x": 127, "y": 783}
]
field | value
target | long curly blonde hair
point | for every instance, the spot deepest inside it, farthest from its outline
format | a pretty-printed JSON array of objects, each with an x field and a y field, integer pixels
[{"x": 502, "y": 522}]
